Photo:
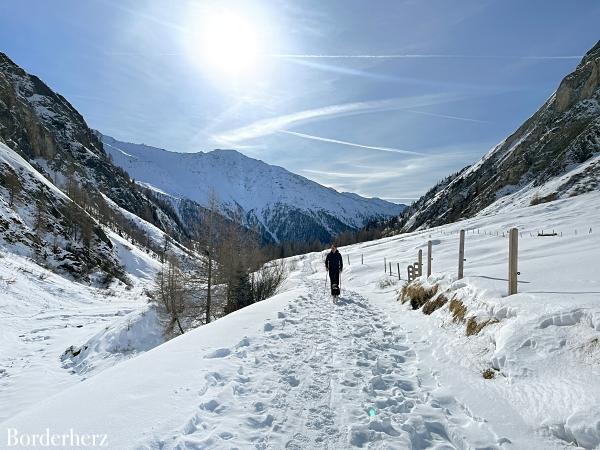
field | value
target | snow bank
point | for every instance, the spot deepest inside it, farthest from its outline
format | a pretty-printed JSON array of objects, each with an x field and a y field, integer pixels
[
  {"x": 583, "y": 428},
  {"x": 135, "y": 333},
  {"x": 42, "y": 314}
]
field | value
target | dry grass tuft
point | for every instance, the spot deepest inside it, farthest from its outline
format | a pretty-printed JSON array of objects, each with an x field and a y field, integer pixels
[
  {"x": 489, "y": 374},
  {"x": 458, "y": 310},
  {"x": 417, "y": 294},
  {"x": 434, "y": 304},
  {"x": 474, "y": 328}
]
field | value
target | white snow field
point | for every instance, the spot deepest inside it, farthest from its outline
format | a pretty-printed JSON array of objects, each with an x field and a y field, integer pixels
[
  {"x": 42, "y": 314},
  {"x": 299, "y": 371}
]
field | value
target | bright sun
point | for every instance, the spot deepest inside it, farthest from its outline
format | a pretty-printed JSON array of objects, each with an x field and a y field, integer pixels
[{"x": 229, "y": 44}]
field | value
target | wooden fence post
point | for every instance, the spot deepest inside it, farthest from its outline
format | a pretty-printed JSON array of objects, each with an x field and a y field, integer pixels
[
  {"x": 399, "y": 277},
  {"x": 390, "y": 268},
  {"x": 362, "y": 260},
  {"x": 461, "y": 255},
  {"x": 429, "y": 258},
  {"x": 420, "y": 261},
  {"x": 513, "y": 251},
  {"x": 384, "y": 265},
  {"x": 348, "y": 256}
]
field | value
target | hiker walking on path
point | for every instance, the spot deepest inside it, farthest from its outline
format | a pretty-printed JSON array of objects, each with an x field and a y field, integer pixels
[{"x": 334, "y": 265}]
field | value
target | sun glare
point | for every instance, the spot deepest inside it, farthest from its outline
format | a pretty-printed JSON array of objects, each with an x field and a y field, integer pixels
[{"x": 229, "y": 43}]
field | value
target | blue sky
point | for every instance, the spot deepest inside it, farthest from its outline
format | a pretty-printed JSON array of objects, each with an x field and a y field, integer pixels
[{"x": 382, "y": 98}]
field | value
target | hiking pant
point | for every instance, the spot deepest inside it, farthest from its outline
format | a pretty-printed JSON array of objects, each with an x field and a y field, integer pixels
[{"x": 334, "y": 277}]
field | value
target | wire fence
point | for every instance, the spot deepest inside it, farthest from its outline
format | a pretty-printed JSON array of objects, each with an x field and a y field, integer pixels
[{"x": 415, "y": 269}]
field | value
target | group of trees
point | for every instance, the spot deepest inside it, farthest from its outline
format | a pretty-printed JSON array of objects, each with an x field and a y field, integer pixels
[
  {"x": 370, "y": 232},
  {"x": 226, "y": 269},
  {"x": 287, "y": 249}
]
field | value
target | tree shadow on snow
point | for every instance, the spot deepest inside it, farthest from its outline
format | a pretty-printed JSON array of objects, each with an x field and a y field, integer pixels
[{"x": 498, "y": 279}]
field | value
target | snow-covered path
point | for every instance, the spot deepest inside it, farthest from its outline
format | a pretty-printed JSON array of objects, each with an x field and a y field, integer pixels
[
  {"x": 299, "y": 371},
  {"x": 325, "y": 375}
]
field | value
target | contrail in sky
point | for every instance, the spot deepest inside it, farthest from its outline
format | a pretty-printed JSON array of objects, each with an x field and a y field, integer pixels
[
  {"x": 272, "y": 125},
  {"x": 446, "y": 116},
  {"x": 389, "y": 56},
  {"x": 351, "y": 144},
  {"x": 422, "y": 56}
]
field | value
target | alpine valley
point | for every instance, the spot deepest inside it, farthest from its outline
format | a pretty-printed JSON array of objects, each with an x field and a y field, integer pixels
[
  {"x": 145, "y": 297},
  {"x": 282, "y": 205}
]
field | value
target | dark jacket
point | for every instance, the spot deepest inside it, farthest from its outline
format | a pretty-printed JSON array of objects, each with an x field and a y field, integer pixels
[{"x": 334, "y": 262}]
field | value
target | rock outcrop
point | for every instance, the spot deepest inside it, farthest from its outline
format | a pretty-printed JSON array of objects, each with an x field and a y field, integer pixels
[{"x": 554, "y": 152}]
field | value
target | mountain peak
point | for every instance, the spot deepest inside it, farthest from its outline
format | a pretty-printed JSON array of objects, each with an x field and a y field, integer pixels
[
  {"x": 286, "y": 206},
  {"x": 593, "y": 53}
]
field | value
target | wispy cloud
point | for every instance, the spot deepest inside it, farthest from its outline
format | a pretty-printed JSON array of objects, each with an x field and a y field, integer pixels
[
  {"x": 422, "y": 56},
  {"x": 350, "y": 144},
  {"x": 389, "y": 56},
  {"x": 375, "y": 174},
  {"x": 273, "y": 125},
  {"x": 145, "y": 16},
  {"x": 446, "y": 116}
]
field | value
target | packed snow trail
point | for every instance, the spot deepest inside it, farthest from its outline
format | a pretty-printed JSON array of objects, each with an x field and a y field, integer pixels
[
  {"x": 298, "y": 371},
  {"x": 325, "y": 375}
]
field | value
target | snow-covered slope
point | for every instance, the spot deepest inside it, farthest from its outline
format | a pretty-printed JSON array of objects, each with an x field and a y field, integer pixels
[
  {"x": 287, "y": 206},
  {"x": 40, "y": 219},
  {"x": 298, "y": 371},
  {"x": 51, "y": 136},
  {"x": 43, "y": 313},
  {"x": 554, "y": 154}
]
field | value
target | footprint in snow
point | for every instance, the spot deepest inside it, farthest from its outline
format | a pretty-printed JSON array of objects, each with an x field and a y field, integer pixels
[
  {"x": 226, "y": 435},
  {"x": 214, "y": 378},
  {"x": 259, "y": 407},
  {"x": 243, "y": 343},
  {"x": 219, "y": 353},
  {"x": 211, "y": 406},
  {"x": 265, "y": 422},
  {"x": 292, "y": 380}
]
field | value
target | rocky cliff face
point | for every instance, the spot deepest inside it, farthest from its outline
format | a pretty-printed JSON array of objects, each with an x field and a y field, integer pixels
[
  {"x": 45, "y": 144},
  {"x": 554, "y": 154},
  {"x": 45, "y": 129}
]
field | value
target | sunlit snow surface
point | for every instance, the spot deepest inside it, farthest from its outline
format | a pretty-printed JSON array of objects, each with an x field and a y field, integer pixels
[{"x": 298, "y": 371}]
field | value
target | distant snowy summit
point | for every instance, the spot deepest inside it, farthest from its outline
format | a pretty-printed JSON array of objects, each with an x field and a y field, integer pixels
[{"x": 283, "y": 205}]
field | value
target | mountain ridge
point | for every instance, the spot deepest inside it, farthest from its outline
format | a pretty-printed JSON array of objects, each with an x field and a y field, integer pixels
[
  {"x": 61, "y": 195},
  {"x": 553, "y": 154},
  {"x": 262, "y": 193}
]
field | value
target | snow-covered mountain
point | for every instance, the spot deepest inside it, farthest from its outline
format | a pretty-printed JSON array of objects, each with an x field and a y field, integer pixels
[
  {"x": 284, "y": 206},
  {"x": 60, "y": 196},
  {"x": 554, "y": 154}
]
